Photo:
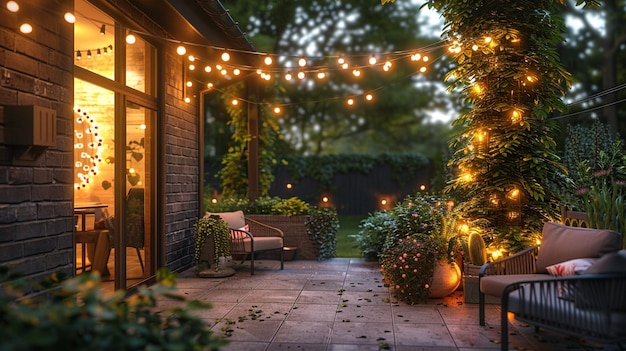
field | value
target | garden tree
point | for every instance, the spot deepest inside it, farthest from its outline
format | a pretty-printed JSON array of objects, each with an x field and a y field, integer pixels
[
  {"x": 315, "y": 117},
  {"x": 509, "y": 71},
  {"x": 595, "y": 54}
]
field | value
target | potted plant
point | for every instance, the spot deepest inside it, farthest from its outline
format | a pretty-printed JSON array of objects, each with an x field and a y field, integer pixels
[
  {"x": 212, "y": 237},
  {"x": 417, "y": 260}
]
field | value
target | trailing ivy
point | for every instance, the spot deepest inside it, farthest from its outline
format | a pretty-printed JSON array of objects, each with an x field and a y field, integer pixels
[
  {"x": 508, "y": 68},
  {"x": 322, "y": 227},
  {"x": 323, "y": 168}
]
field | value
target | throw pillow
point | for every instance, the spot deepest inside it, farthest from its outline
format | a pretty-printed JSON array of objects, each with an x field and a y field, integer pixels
[
  {"x": 566, "y": 269},
  {"x": 571, "y": 267}
]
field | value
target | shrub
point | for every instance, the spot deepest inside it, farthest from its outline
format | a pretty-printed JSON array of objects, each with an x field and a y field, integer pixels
[
  {"x": 373, "y": 233},
  {"x": 75, "y": 314},
  {"x": 321, "y": 226}
]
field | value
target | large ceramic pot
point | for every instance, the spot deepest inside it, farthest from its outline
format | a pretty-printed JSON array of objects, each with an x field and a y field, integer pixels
[{"x": 446, "y": 279}]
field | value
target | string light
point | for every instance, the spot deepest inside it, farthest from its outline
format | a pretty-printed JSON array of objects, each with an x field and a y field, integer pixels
[
  {"x": 103, "y": 29},
  {"x": 26, "y": 28},
  {"x": 181, "y": 50},
  {"x": 302, "y": 61},
  {"x": 13, "y": 6},
  {"x": 69, "y": 17},
  {"x": 130, "y": 38},
  {"x": 225, "y": 56}
]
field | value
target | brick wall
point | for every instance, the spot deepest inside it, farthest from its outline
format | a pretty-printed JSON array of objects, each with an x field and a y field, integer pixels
[
  {"x": 36, "y": 214},
  {"x": 36, "y": 198}
]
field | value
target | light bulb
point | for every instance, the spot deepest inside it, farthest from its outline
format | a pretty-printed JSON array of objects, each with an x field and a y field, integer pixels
[
  {"x": 181, "y": 50},
  {"x": 13, "y": 6},
  {"x": 26, "y": 28},
  {"x": 268, "y": 60},
  {"x": 69, "y": 17},
  {"x": 225, "y": 56},
  {"x": 130, "y": 39},
  {"x": 302, "y": 61}
]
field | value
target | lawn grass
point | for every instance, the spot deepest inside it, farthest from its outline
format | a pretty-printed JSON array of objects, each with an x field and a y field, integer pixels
[{"x": 346, "y": 244}]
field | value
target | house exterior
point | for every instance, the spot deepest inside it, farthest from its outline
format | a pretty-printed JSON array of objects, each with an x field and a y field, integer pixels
[{"x": 100, "y": 137}]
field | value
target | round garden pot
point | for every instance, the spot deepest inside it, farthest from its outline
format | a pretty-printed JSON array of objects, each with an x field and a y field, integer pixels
[{"x": 446, "y": 279}]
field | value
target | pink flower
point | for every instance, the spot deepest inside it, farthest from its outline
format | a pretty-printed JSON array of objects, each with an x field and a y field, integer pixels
[
  {"x": 426, "y": 286},
  {"x": 403, "y": 275},
  {"x": 418, "y": 254},
  {"x": 397, "y": 286},
  {"x": 415, "y": 270}
]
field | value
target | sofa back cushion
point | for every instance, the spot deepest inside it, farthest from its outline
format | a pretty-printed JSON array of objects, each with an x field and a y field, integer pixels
[
  {"x": 235, "y": 220},
  {"x": 561, "y": 243}
]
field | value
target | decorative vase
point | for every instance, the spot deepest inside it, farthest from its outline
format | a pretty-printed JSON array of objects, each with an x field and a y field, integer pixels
[{"x": 446, "y": 279}]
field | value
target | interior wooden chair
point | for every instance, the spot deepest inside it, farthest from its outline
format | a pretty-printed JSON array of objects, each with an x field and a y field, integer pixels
[{"x": 249, "y": 236}]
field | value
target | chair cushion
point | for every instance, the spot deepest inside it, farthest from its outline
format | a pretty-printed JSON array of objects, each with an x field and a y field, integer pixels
[
  {"x": 570, "y": 267},
  {"x": 494, "y": 284},
  {"x": 262, "y": 243},
  {"x": 561, "y": 243},
  {"x": 234, "y": 219}
]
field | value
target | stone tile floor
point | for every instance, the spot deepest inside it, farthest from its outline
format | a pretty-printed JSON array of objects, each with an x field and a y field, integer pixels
[{"x": 343, "y": 305}]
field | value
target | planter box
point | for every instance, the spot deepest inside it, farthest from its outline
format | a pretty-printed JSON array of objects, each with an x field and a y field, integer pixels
[
  {"x": 470, "y": 285},
  {"x": 295, "y": 233}
]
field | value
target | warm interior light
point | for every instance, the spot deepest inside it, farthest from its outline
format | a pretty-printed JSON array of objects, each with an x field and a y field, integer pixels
[
  {"x": 192, "y": 67},
  {"x": 187, "y": 100},
  {"x": 189, "y": 84},
  {"x": 236, "y": 71}
]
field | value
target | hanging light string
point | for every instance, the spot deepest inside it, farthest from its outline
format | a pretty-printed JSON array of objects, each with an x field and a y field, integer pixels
[{"x": 368, "y": 95}]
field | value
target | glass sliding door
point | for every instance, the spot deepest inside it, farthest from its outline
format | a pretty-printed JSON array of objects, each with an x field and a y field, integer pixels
[{"x": 114, "y": 142}]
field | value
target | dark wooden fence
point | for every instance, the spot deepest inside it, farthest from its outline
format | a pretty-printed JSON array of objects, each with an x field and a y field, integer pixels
[{"x": 353, "y": 193}]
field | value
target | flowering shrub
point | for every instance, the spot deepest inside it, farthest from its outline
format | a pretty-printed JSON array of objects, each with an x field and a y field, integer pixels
[
  {"x": 415, "y": 244},
  {"x": 408, "y": 267}
]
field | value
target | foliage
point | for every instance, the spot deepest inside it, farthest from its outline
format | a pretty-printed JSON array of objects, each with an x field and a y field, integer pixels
[
  {"x": 291, "y": 207},
  {"x": 323, "y": 168},
  {"x": 263, "y": 205},
  {"x": 508, "y": 69},
  {"x": 321, "y": 226},
  {"x": 415, "y": 244},
  {"x": 408, "y": 266},
  {"x": 315, "y": 119},
  {"x": 594, "y": 53},
  {"x": 75, "y": 314},
  {"x": 234, "y": 173},
  {"x": 214, "y": 227},
  {"x": 373, "y": 233}
]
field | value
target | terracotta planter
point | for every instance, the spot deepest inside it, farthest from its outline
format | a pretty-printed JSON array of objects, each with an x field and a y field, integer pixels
[{"x": 446, "y": 279}]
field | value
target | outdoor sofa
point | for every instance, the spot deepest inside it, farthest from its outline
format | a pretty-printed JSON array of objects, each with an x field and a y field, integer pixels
[{"x": 574, "y": 283}]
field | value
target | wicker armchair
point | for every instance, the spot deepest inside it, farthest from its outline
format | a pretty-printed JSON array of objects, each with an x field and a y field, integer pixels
[
  {"x": 596, "y": 309},
  {"x": 527, "y": 289},
  {"x": 244, "y": 242}
]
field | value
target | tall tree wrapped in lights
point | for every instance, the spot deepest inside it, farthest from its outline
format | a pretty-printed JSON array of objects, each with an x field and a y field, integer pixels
[{"x": 505, "y": 158}]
